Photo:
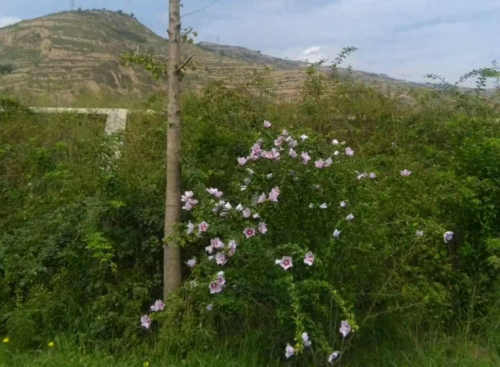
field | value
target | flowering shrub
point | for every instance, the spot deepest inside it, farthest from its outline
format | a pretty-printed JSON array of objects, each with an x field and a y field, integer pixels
[{"x": 264, "y": 221}]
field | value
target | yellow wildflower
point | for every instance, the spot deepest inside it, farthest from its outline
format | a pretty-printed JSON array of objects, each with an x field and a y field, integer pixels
[
  {"x": 6, "y": 340},
  {"x": 145, "y": 364},
  {"x": 51, "y": 344}
]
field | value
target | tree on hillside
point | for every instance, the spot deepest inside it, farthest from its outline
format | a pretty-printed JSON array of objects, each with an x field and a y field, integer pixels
[{"x": 171, "y": 250}]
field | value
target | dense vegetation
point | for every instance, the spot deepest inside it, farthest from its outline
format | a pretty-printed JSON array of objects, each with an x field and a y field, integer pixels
[{"x": 80, "y": 239}]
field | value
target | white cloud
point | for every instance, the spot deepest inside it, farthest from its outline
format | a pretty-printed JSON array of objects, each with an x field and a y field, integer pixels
[{"x": 5, "y": 21}]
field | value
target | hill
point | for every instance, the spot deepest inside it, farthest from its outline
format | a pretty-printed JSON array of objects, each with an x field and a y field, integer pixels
[{"x": 63, "y": 57}]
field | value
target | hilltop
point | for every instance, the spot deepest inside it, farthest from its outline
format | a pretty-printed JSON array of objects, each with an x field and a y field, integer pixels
[{"x": 69, "y": 55}]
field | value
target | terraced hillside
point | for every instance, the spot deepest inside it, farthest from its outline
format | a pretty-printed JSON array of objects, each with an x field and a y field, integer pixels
[{"x": 70, "y": 54}]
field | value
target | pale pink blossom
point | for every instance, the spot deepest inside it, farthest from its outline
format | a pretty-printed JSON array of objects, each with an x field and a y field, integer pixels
[
  {"x": 305, "y": 157},
  {"x": 292, "y": 153},
  {"x": 189, "y": 204},
  {"x": 292, "y": 143},
  {"x": 216, "y": 243},
  {"x": 220, "y": 258},
  {"x": 187, "y": 195},
  {"x": 405, "y": 173},
  {"x": 157, "y": 306},
  {"x": 242, "y": 161},
  {"x": 306, "y": 340},
  {"x": 372, "y": 175},
  {"x": 246, "y": 213},
  {"x": 210, "y": 307},
  {"x": 273, "y": 195},
  {"x": 285, "y": 262},
  {"x": 345, "y": 328},
  {"x": 279, "y": 141},
  {"x": 231, "y": 246},
  {"x": 349, "y": 152},
  {"x": 262, "y": 228},
  {"x": 209, "y": 249},
  {"x": 191, "y": 262},
  {"x": 203, "y": 227},
  {"x": 319, "y": 163},
  {"x": 249, "y": 232},
  {"x": 309, "y": 258},
  {"x": 267, "y": 124},
  {"x": 448, "y": 236},
  {"x": 333, "y": 357},
  {"x": 215, "y": 287},
  {"x": 262, "y": 198},
  {"x": 239, "y": 207},
  {"x": 328, "y": 162},
  {"x": 145, "y": 321},
  {"x": 215, "y": 192},
  {"x": 256, "y": 216},
  {"x": 220, "y": 278},
  {"x": 255, "y": 151},
  {"x": 189, "y": 228},
  {"x": 289, "y": 351}
]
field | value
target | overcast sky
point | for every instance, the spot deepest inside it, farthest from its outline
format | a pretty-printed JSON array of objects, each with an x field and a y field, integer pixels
[{"x": 405, "y": 39}]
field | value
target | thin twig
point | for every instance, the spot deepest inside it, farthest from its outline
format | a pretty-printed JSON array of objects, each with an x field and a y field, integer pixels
[{"x": 183, "y": 65}]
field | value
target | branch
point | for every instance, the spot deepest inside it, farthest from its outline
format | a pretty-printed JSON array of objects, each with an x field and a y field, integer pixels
[{"x": 183, "y": 65}]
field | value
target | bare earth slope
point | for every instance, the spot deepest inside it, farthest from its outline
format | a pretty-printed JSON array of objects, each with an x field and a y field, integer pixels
[{"x": 62, "y": 57}]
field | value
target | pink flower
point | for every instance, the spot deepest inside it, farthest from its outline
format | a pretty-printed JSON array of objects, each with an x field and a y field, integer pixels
[
  {"x": 242, "y": 161},
  {"x": 328, "y": 162},
  {"x": 292, "y": 153},
  {"x": 187, "y": 195},
  {"x": 246, "y": 213},
  {"x": 292, "y": 143},
  {"x": 145, "y": 321},
  {"x": 215, "y": 287},
  {"x": 249, "y": 232},
  {"x": 333, "y": 357},
  {"x": 279, "y": 140},
  {"x": 273, "y": 195},
  {"x": 220, "y": 258},
  {"x": 220, "y": 279},
  {"x": 209, "y": 249},
  {"x": 448, "y": 236},
  {"x": 231, "y": 246},
  {"x": 158, "y": 306},
  {"x": 189, "y": 228},
  {"x": 203, "y": 227},
  {"x": 189, "y": 204},
  {"x": 285, "y": 262},
  {"x": 267, "y": 124},
  {"x": 255, "y": 151},
  {"x": 305, "y": 157},
  {"x": 309, "y": 258},
  {"x": 372, "y": 175},
  {"x": 216, "y": 243},
  {"x": 319, "y": 163},
  {"x": 289, "y": 351},
  {"x": 345, "y": 328},
  {"x": 306, "y": 340},
  {"x": 215, "y": 192},
  {"x": 262, "y": 228},
  {"x": 191, "y": 262},
  {"x": 262, "y": 198},
  {"x": 349, "y": 152},
  {"x": 405, "y": 173}
]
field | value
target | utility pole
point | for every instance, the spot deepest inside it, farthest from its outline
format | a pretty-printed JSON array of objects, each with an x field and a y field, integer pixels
[{"x": 171, "y": 250}]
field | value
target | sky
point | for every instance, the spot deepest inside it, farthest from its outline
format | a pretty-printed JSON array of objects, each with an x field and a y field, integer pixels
[{"x": 405, "y": 39}]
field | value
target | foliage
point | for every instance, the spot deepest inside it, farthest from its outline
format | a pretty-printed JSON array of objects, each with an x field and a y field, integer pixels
[{"x": 80, "y": 246}]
